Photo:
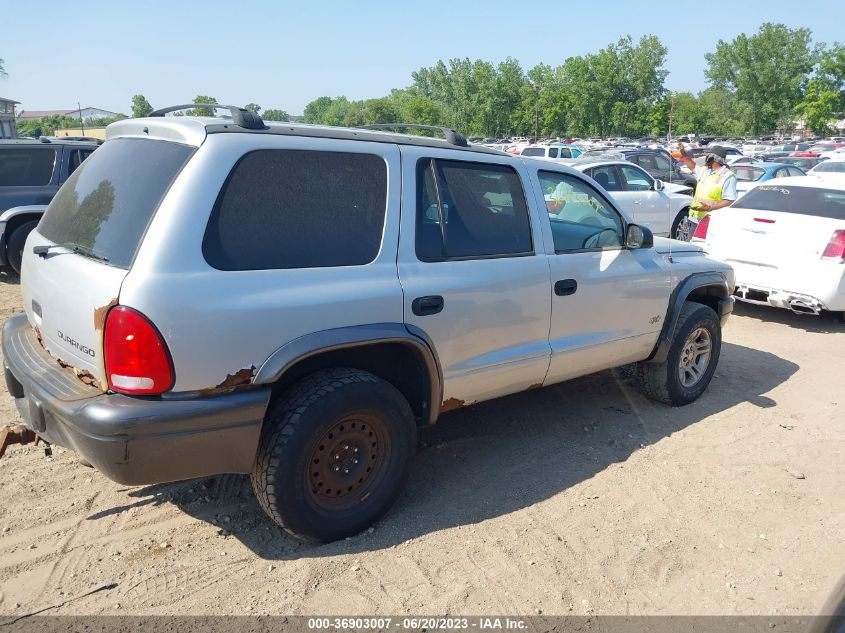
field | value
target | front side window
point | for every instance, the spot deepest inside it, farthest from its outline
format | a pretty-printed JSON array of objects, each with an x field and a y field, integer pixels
[
  {"x": 607, "y": 176},
  {"x": 580, "y": 216},
  {"x": 26, "y": 166},
  {"x": 553, "y": 152},
  {"x": 662, "y": 163},
  {"x": 470, "y": 211},
  {"x": 283, "y": 209},
  {"x": 635, "y": 179},
  {"x": 76, "y": 158}
]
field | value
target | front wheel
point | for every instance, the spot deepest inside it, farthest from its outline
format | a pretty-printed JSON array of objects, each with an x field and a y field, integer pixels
[
  {"x": 16, "y": 243},
  {"x": 692, "y": 358},
  {"x": 334, "y": 455},
  {"x": 681, "y": 227}
]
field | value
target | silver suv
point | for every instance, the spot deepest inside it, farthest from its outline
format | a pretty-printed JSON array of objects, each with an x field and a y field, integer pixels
[{"x": 210, "y": 295}]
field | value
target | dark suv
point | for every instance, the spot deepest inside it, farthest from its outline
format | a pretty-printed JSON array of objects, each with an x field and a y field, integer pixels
[
  {"x": 657, "y": 163},
  {"x": 31, "y": 172}
]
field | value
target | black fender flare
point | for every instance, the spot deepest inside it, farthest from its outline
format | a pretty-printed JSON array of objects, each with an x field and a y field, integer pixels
[
  {"x": 714, "y": 279},
  {"x": 316, "y": 343}
]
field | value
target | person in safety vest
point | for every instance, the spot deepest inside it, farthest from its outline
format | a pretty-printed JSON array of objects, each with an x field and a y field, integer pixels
[{"x": 716, "y": 186}]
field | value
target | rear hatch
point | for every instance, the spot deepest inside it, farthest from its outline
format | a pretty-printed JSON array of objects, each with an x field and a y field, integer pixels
[
  {"x": 75, "y": 261},
  {"x": 775, "y": 231}
]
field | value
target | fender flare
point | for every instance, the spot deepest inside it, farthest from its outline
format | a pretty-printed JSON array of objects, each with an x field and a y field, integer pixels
[
  {"x": 714, "y": 279},
  {"x": 316, "y": 343}
]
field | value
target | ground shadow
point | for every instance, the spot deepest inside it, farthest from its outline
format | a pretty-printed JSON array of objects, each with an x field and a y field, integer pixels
[
  {"x": 10, "y": 279},
  {"x": 493, "y": 458},
  {"x": 824, "y": 323}
]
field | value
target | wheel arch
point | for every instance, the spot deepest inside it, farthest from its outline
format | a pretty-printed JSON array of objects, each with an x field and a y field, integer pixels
[
  {"x": 401, "y": 355},
  {"x": 11, "y": 219},
  {"x": 708, "y": 288}
]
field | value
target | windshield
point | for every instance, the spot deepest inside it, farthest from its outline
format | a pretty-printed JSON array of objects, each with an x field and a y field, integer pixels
[
  {"x": 815, "y": 201},
  {"x": 106, "y": 206},
  {"x": 748, "y": 174},
  {"x": 837, "y": 166}
]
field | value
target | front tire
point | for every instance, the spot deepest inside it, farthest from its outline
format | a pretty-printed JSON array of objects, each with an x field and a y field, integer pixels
[
  {"x": 16, "y": 243},
  {"x": 691, "y": 362},
  {"x": 334, "y": 455}
]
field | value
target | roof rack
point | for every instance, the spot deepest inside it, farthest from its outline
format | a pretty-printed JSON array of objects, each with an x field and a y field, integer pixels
[
  {"x": 449, "y": 134},
  {"x": 240, "y": 116}
]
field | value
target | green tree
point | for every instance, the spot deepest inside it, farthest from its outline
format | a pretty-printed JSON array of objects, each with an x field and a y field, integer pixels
[
  {"x": 3, "y": 72},
  {"x": 315, "y": 111},
  {"x": 202, "y": 99},
  {"x": 140, "y": 106},
  {"x": 767, "y": 72},
  {"x": 253, "y": 107},
  {"x": 824, "y": 98},
  {"x": 275, "y": 115}
]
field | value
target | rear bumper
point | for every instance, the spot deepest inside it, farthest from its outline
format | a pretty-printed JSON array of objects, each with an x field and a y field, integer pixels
[
  {"x": 797, "y": 302},
  {"x": 132, "y": 440}
]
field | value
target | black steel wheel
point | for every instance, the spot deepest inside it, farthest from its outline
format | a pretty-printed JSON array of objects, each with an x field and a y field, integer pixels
[{"x": 335, "y": 454}]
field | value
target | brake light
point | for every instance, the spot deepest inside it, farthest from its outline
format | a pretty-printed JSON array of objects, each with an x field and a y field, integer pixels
[
  {"x": 136, "y": 358},
  {"x": 701, "y": 229},
  {"x": 835, "y": 248}
]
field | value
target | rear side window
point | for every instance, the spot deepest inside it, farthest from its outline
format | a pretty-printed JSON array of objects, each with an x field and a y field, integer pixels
[
  {"x": 748, "y": 174},
  {"x": 75, "y": 159},
  {"x": 26, "y": 167},
  {"x": 106, "y": 205},
  {"x": 533, "y": 151},
  {"x": 470, "y": 211},
  {"x": 298, "y": 209},
  {"x": 815, "y": 201}
]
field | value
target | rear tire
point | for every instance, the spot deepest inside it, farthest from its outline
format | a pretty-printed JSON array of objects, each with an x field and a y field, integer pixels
[
  {"x": 691, "y": 362},
  {"x": 334, "y": 454},
  {"x": 16, "y": 243}
]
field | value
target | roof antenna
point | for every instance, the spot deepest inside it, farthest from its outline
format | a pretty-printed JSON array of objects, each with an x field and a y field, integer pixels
[{"x": 671, "y": 171}]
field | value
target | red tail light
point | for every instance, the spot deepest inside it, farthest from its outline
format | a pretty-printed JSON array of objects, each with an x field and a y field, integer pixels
[
  {"x": 136, "y": 358},
  {"x": 836, "y": 246},
  {"x": 701, "y": 229}
]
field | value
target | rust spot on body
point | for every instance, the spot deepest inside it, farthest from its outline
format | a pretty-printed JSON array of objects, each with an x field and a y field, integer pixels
[
  {"x": 100, "y": 314},
  {"x": 536, "y": 385},
  {"x": 451, "y": 404},
  {"x": 240, "y": 377}
]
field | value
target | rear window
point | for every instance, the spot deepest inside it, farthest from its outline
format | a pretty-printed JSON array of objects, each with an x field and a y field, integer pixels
[
  {"x": 814, "y": 201},
  {"x": 748, "y": 174},
  {"x": 298, "y": 209},
  {"x": 107, "y": 204},
  {"x": 26, "y": 166}
]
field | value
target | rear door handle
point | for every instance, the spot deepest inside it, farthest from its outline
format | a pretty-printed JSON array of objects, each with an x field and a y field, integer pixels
[
  {"x": 565, "y": 287},
  {"x": 424, "y": 306}
]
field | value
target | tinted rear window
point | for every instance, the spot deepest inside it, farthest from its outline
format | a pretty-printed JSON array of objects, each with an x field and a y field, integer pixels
[
  {"x": 298, "y": 209},
  {"x": 815, "y": 201},
  {"x": 26, "y": 166},
  {"x": 107, "y": 204}
]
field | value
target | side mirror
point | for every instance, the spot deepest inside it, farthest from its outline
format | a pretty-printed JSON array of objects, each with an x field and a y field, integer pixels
[
  {"x": 638, "y": 237},
  {"x": 658, "y": 184}
]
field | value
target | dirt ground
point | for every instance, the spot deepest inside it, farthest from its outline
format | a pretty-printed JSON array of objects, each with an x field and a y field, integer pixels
[{"x": 582, "y": 498}]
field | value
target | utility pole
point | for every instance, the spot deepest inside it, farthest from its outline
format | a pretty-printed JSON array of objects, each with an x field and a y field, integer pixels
[
  {"x": 536, "y": 112},
  {"x": 81, "y": 121},
  {"x": 671, "y": 114}
]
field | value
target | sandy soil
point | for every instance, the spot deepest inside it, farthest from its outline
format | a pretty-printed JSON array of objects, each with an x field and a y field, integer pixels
[{"x": 576, "y": 499}]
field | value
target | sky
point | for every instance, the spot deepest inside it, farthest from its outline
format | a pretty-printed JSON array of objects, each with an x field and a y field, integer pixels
[{"x": 285, "y": 54}]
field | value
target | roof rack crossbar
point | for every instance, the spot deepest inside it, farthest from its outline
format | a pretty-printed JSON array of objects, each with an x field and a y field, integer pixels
[
  {"x": 240, "y": 116},
  {"x": 449, "y": 134}
]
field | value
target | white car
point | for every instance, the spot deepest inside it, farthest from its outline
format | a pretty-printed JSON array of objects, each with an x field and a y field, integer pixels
[
  {"x": 785, "y": 240},
  {"x": 650, "y": 202},
  {"x": 832, "y": 166}
]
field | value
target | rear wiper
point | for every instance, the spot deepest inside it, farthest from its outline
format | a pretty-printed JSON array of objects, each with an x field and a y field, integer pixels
[{"x": 42, "y": 250}]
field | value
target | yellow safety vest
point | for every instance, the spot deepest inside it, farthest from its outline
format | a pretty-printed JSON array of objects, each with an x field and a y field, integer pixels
[{"x": 709, "y": 188}]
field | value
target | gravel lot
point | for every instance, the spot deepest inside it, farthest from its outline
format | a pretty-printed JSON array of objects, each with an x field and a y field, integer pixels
[{"x": 575, "y": 499}]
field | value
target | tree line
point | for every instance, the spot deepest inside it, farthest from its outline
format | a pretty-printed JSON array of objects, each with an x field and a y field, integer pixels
[{"x": 757, "y": 84}]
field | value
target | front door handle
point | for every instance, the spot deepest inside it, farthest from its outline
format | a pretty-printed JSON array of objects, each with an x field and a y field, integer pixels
[
  {"x": 424, "y": 306},
  {"x": 565, "y": 287}
]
